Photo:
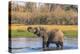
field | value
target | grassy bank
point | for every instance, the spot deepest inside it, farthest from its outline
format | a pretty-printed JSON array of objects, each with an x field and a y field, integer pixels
[
  {"x": 23, "y": 33},
  {"x": 71, "y": 33},
  {"x": 48, "y": 27},
  {"x": 20, "y": 30}
]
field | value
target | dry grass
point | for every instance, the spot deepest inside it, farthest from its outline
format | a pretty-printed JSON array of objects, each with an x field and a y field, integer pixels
[
  {"x": 48, "y": 27},
  {"x": 20, "y": 30}
]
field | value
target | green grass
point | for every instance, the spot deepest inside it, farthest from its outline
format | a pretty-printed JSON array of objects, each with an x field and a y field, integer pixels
[
  {"x": 71, "y": 33},
  {"x": 23, "y": 33}
]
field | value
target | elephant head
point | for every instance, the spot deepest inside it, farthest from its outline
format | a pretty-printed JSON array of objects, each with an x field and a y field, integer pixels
[{"x": 36, "y": 30}]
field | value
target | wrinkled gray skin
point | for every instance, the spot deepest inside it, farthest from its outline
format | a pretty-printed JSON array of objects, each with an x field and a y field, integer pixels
[{"x": 54, "y": 36}]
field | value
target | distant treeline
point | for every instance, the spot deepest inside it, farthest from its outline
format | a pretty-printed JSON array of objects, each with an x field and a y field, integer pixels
[
  {"x": 60, "y": 21},
  {"x": 43, "y": 13}
]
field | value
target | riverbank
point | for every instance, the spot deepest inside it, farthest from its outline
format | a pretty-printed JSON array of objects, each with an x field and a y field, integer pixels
[{"x": 24, "y": 33}]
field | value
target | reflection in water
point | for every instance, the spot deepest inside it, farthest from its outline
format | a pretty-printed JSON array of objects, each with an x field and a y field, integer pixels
[{"x": 35, "y": 44}]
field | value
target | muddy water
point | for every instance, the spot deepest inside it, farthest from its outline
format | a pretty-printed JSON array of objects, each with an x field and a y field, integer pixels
[{"x": 35, "y": 44}]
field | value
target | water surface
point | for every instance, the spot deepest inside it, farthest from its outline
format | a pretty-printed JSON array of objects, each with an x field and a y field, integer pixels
[{"x": 35, "y": 44}]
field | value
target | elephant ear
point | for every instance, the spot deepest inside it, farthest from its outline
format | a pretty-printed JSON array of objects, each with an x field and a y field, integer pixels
[{"x": 43, "y": 31}]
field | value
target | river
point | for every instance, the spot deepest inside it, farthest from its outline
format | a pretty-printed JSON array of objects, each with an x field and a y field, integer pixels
[{"x": 35, "y": 44}]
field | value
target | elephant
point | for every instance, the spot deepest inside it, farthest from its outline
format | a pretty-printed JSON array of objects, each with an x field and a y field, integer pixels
[{"x": 53, "y": 36}]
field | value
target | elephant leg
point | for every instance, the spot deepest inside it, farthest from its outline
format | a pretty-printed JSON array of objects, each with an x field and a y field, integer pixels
[
  {"x": 48, "y": 44},
  {"x": 57, "y": 44},
  {"x": 61, "y": 44},
  {"x": 44, "y": 44}
]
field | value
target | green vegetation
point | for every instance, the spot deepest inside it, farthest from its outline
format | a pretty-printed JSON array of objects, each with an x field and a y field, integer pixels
[
  {"x": 22, "y": 33},
  {"x": 71, "y": 33}
]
